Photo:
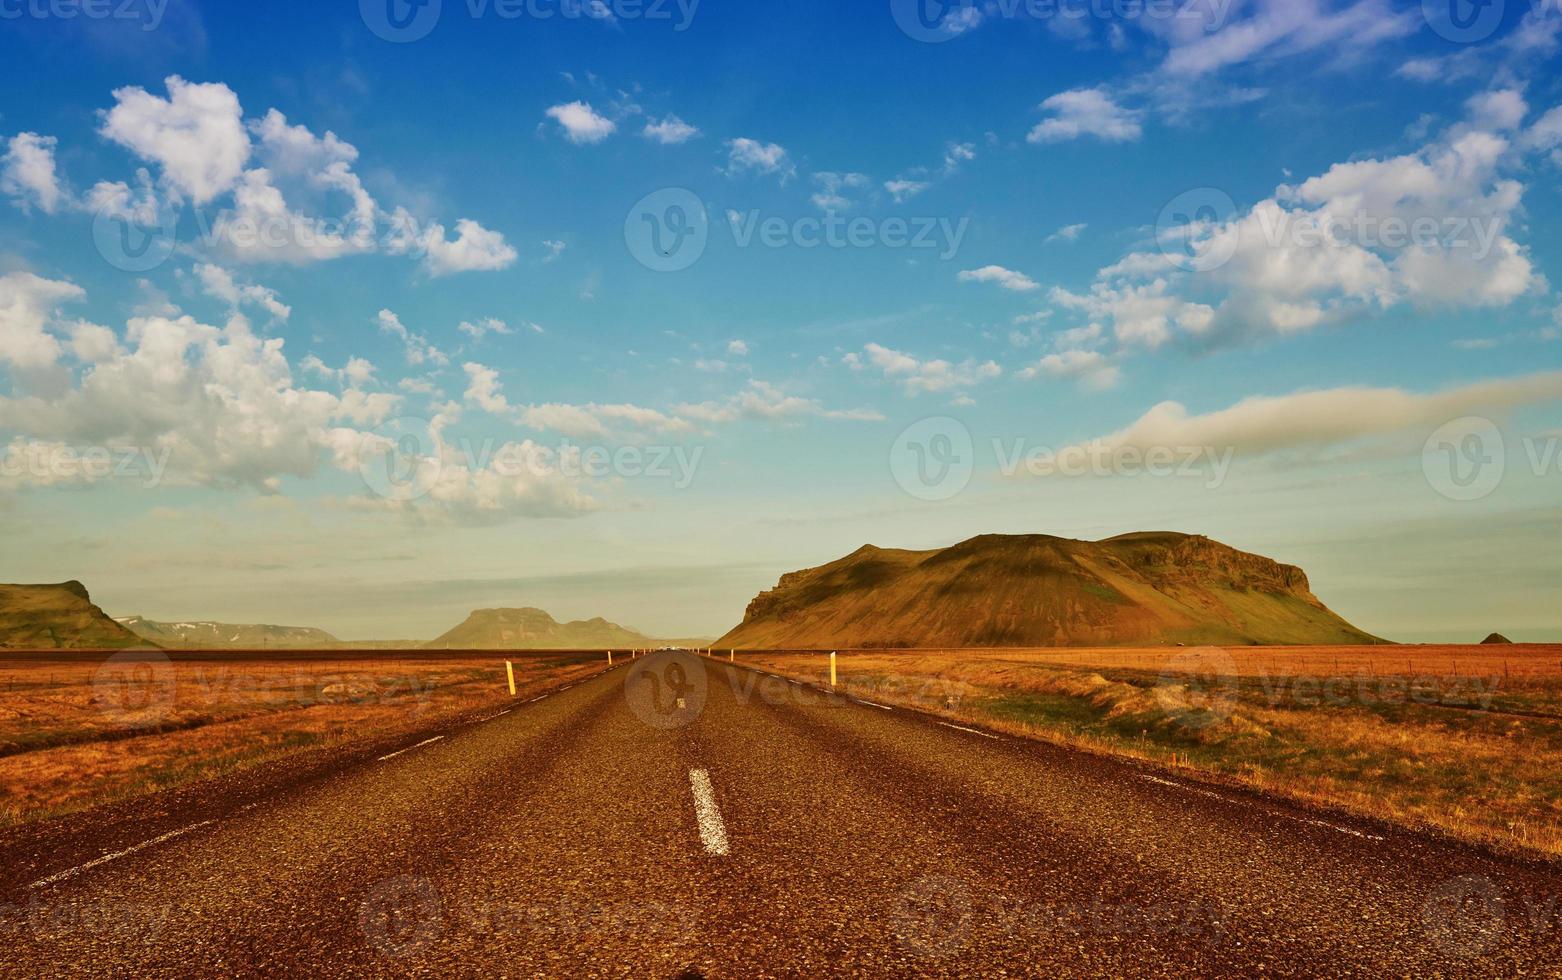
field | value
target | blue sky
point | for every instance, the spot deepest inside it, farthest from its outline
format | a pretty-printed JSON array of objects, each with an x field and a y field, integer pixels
[{"x": 457, "y": 283}]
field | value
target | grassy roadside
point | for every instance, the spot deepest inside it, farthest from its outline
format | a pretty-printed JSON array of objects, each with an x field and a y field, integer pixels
[
  {"x": 1459, "y": 741},
  {"x": 73, "y": 736}
]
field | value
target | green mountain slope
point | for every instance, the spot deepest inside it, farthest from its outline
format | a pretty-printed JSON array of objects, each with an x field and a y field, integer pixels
[
  {"x": 58, "y": 617},
  {"x": 1036, "y": 590}
]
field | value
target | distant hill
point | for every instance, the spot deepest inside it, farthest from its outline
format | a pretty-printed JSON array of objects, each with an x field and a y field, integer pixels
[
  {"x": 227, "y": 636},
  {"x": 533, "y": 629},
  {"x": 58, "y": 617},
  {"x": 1035, "y": 590}
]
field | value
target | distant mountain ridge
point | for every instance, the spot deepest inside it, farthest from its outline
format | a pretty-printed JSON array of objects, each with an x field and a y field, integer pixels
[
  {"x": 228, "y": 636},
  {"x": 1146, "y": 588},
  {"x": 58, "y": 617},
  {"x": 534, "y": 629}
]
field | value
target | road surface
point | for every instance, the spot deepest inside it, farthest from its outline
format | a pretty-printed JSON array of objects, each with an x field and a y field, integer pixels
[{"x": 761, "y": 828}]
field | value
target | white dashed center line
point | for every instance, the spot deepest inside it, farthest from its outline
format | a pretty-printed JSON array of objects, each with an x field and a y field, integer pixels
[
  {"x": 409, "y": 748},
  {"x": 962, "y": 728},
  {"x": 713, "y": 833},
  {"x": 73, "y": 872}
]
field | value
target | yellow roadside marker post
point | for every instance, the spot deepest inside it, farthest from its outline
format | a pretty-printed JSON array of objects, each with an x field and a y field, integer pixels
[
  {"x": 509, "y": 670},
  {"x": 832, "y": 668},
  {"x": 610, "y": 658},
  {"x": 732, "y": 656}
]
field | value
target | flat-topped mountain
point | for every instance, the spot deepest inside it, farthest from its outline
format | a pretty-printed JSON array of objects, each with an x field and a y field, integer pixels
[
  {"x": 533, "y": 629},
  {"x": 1146, "y": 588},
  {"x": 58, "y": 617},
  {"x": 228, "y": 636}
]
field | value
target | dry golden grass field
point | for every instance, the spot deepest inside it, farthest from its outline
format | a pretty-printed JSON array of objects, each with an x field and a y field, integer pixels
[
  {"x": 77, "y": 730},
  {"x": 1462, "y": 740}
]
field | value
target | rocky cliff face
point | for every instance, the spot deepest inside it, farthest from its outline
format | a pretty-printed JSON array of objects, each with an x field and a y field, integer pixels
[
  {"x": 534, "y": 629},
  {"x": 205, "y": 635}
]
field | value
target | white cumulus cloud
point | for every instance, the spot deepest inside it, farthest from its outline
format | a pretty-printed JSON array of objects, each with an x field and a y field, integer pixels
[
  {"x": 27, "y": 172},
  {"x": 1086, "y": 112},
  {"x": 582, "y": 125},
  {"x": 1007, "y": 278}
]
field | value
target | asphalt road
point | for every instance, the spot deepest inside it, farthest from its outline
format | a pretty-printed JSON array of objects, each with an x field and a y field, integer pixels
[{"x": 762, "y": 828}]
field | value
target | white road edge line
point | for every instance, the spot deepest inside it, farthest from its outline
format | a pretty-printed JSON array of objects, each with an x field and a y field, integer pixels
[
  {"x": 881, "y": 707},
  {"x": 1332, "y": 826},
  {"x": 962, "y": 728},
  {"x": 1283, "y": 816},
  {"x": 409, "y": 748},
  {"x": 713, "y": 833},
  {"x": 73, "y": 872}
]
